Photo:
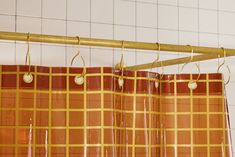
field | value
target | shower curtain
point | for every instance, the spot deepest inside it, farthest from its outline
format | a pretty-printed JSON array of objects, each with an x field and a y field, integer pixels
[{"x": 150, "y": 115}]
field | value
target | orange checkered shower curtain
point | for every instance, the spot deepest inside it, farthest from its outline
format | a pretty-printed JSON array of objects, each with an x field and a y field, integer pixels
[{"x": 54, "y": 117}]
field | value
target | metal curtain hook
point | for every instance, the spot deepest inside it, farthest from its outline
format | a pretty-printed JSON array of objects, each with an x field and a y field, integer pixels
[
  {"x": 223, "y": 63},
  {"x": 158, "y": 56},
  {"x": 79, "y": 79},
  {"x": 28, "y": 77},
  {"x": 190, "y": 60},
  {"x": 121, "y": 66},
  {"x": 156, "y": 60},
  {"x": 192, "y": 83}
]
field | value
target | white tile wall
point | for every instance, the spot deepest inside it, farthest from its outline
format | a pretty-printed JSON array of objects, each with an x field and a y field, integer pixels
[
  {"x": 28, "y": 24},
  {"x": 208, "y": 21},
  {"x": 168, "y": 17},
  {"x": 196, "y": 22},
  {"x": 188, "y": 3},
  {"x": 208, "y": 4},
  {"x": 54, "y": 9},
  {"x": 102, "y": 11},
  {"x": 29, "y": 8},
  {"x": 7, "y": 23},
  {"x": 146, "y": 15},
  {"x": 188, "y": 19},
  {"x": 124, "y": 32},
  {"x": 78, "y": 10},
  {"x": 8, "y": 7},
  {"x": 126, "y": 15}
]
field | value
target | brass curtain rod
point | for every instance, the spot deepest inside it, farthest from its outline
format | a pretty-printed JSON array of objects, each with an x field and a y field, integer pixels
[
  {"x": 112, "y": 43},
  {"x": 171, "y": 62},
  {"x": 209, "y": 52}
]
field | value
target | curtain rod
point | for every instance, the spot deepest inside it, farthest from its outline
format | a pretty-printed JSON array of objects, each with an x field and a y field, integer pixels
[
  {"x": 171, "y": 62},
  {"x": 208, "y": 52},
  {"x": 112, "y": 43}
]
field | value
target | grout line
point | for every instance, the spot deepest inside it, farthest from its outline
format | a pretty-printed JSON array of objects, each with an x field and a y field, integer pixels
[
  {"x": 136, "y": 55},
  {"x": 15, "y": 28},
  {"x": 178, "y": 12},
  {"x": 90, "y": 34},
  {"x": 113, "y": 31},
  {"x": 41, "y": 44},
  {"x": 66, "y": 33}
]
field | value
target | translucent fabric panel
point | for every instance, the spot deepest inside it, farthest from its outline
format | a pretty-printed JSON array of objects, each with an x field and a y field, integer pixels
[{"x": 149, "y": 116}]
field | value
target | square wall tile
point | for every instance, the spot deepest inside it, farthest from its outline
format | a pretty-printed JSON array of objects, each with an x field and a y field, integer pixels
[
  {"x": 29, "y": 8},
  {"x": 232, "y": 117},
  {"x": 7, "y": 7},
  {"x": 78, "y": 29},
  {"x": 188, "y": 38},
  {"x": 233, "y": 138},
  {"x": 188, "y": 19},
  {"x": 169, "y": 2},
  {"x": 167, "y": 36},
  {"x": 124, "y": 33},
  {"x": 7, "y": 23},
  {"x": 7, "y": 53},
  {"x": 101, "y": 14},
  {"x": 53, "y": 27},
  {"x": 124, "y": 12},
  {"x": 209, "y": 66},
  {"x": 227, "y": 41},
  {"x": 84, "y": 52},
  {"x": 146, "y": 15},
  {"x": 146, "y": 35},
  {"x": 210, "y": 40},
  {"x": 50, "y": 52},
  {"x": 230, "y": 62},
  {"x": 28, "y": 24},
  {"x": 208, "y": 21},
  {"x": 54, "y": 9},
  {"x": 227, "y": 5},
  {"x": 78, "y": 10},
  {"x": 230, "y": 89},
  {"x": 168, "y": 17},
  {"x": 146, "y": 57},
  {"x": 101, "y": 57},
  {"x": 208, "y": 4},
  {"x": 35, "y": 53},
  {"x": 188, "y": 3},
  {"x": 226, "y": 25},
  {"x": 97, "y": 31}
]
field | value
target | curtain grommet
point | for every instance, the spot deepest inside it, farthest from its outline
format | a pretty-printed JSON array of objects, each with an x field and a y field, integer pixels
[
  {"x": 120, "y": 82},
  {"x": 28, "y": 77},
  {"x": 79, "y": 80},
  {"x": 156, "y": 83},
  {"x": 192, "y": 85}
]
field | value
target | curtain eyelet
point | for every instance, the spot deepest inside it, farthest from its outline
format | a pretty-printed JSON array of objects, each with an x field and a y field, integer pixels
[
  {"x": 120, "y": 82},
  {"x": 79, "y": 80},
  {"x": 28, "y": 77},
  {"x": 192, "y": 85}
]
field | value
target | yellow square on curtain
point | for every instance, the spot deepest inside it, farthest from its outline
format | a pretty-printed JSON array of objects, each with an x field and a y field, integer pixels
[{"x": 146, "y": 116}]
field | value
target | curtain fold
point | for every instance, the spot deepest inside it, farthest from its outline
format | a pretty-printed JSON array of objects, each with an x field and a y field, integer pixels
[{"x": 151, "y": 115}]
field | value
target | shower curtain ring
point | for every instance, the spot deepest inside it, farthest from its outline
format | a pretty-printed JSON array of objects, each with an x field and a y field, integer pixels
[
  {"x": 192, "y": 83},
  {"x": 79, "y": 79},
  {"x": 28, "y": 77},
  {"x": 221, "y": 65},
  {"x": 156, "y": 60},
  {"x": 121, "y": 65}
]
